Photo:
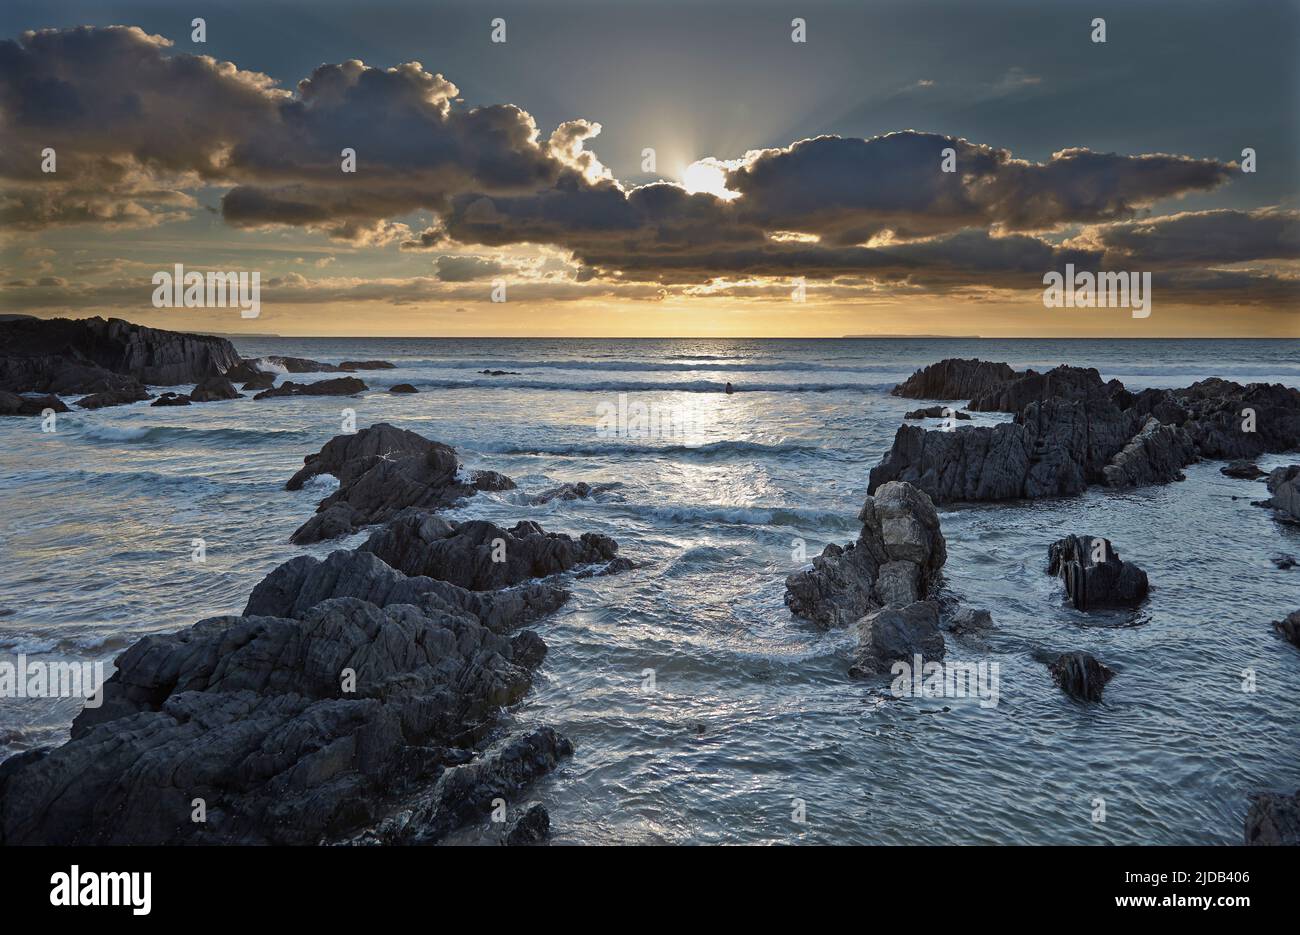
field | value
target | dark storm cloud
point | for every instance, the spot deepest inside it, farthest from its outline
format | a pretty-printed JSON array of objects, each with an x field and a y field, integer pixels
[
  {"x": 136, "y": 128},
  {"x": 1201, "y": 237}
]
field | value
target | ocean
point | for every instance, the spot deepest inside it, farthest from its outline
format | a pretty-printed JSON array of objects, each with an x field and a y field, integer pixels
[{"x": 753, "y": 733}]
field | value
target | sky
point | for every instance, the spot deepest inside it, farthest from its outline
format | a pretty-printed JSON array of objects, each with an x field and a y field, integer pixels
[{"x": 622, "y": 168}]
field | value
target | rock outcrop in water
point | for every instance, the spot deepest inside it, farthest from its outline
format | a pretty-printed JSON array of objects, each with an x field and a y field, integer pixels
[
  {"x": 895, "y": 561},
  {"x": 954, "y": 379},
  {"x": 1273, "y": 819},
  {"x": 383, "y": 470},
  {"x": 1071, "y": 429},
  {"x": 1242, "y": 470},
  {"x": 339, "y": 386},
  {"x": 479, "y": 555},
  {"x": 11, "y": 404},
  {"x": 1289, "y": 627},
  {"x": 1093, "y": 574},
  {"x": 1080, "y": 675},
  {"x": 94, "y": 355},
  {"x": 1284, "y": 489},
  {"x": 937, "y": 412}
]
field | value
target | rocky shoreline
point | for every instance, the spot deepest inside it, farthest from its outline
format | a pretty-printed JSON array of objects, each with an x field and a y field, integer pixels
[{"x": 362, "y": 697}]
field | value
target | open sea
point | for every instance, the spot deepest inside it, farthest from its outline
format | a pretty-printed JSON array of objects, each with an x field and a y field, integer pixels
[{"x": 752, "y": 720}]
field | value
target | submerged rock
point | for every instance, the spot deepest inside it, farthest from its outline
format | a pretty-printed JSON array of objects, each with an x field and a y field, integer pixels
[
  {"x": 1243, "y": 470},
  {"x": 402, "y": 388},
  {"x": 383, "y": 470},
  {"x": 895, "y": 560},
  {"x": 1273, "y": 819},
  {"x": 171, "y": 399},
  {"x": 289, "y": 731},
  {"x": 892, "y": 634},
  {"x": 1093, "y": 574},
  {"x": 339, "y": 386},
  {"x": 350, "y": 365},
  {"x": 1080, "y": 675},
  {"x": 579, "y": 491},
  {"x": 261, "y": 381}
]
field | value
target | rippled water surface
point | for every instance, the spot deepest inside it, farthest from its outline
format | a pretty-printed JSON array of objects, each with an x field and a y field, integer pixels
[{"x": 753, "y": 708}]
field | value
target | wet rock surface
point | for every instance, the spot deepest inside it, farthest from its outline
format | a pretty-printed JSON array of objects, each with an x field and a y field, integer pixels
[
  {"x": 402, "y": 388},
  {"x": 1093, "y": 574},
  {"x": 894, "y": 634},
  {"x": 1289, "y": 627},
  {"x": 937, "y": 412},
  {"x": 1284, "y": 489},
  {"x": 533, "y": 826},
  {"x": 1243, "y": 470},
  {"x": 213, "y": 389},
  {"x": 134, "y": 393},
  {"x": 895, "y": 560}
]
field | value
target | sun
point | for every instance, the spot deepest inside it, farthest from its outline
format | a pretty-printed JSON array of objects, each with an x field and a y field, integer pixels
[{"x": 708, "y": 176}]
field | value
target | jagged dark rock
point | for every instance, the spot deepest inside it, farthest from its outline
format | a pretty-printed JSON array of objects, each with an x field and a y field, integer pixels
[
  {"x": 134, "y": 393},
  {"x": 892, "y": 634},
  {"x": 1284, "y": 486},
  {"x": 295, "y": 587},
  {"x": 402, "y": 388},
  {"x": 213, "y": 389},
  {"x": 302, "y": 365},
  {"x": 895, "y": 560},
  {"x": 1080, "y": 675},
  {"x": 1093, "y": 574},
  {"x": 383, "y": 470},
  {"x": 532, "y": 826},
  {"x": 937, "y": 412},
  {"x": 966, "y": 621},
  {"x": 11, "y": 404},
  {"x": 1289, "y": 627},
  {"x": 94, "y": 355},
  {"x": 1071, "y": 430},
  {"x": 479, "y": 555},
  {"x": 954, "y": 379},
  {"x": 1243, "y": 470},
  {"x": 259, "y": 718},
  {"x": 339, "y": 386},
  {"x": 1273, "y": 819},
  {"x": 351, "y": 365},
  {"x": 262, "y": 381}
]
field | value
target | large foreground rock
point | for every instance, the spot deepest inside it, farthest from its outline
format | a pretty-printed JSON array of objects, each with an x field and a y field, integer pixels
[
  {"x": 1274, "y": 819},
  {"x": 94, "y": 355},
  {"x": 289, "y": 731},
  {"x": 895, "y": 561},
  {"x": 1094, "y": 575},
  {"x": 481, "y": 556},
  {"x": 383, "y": 470}
]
